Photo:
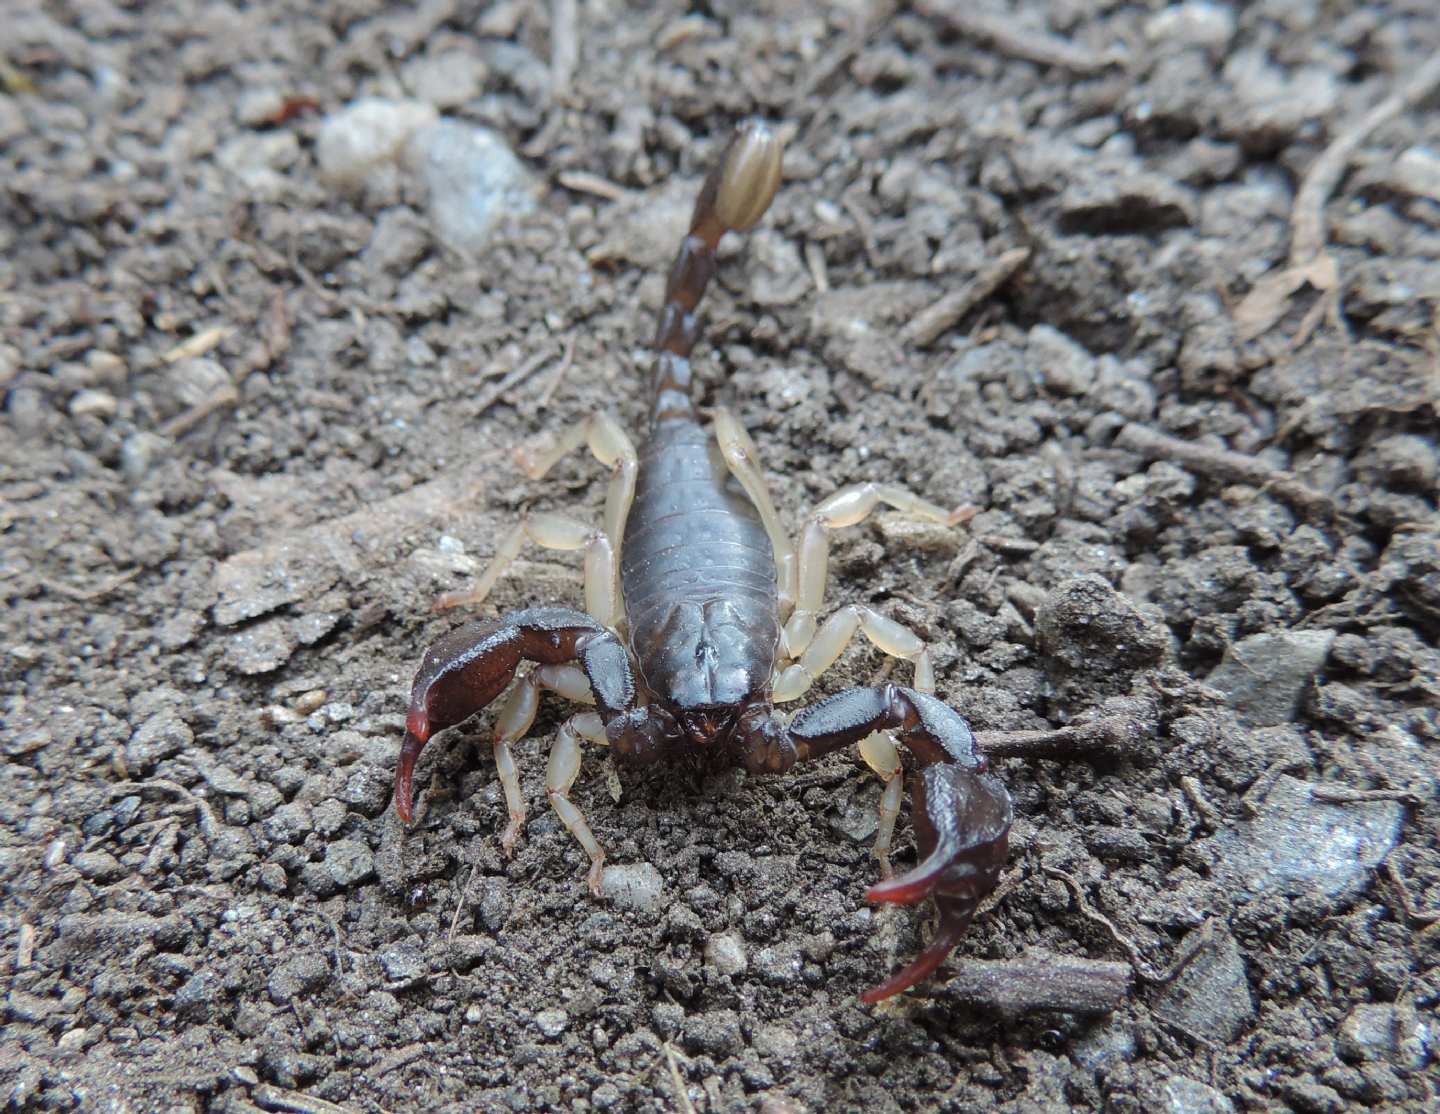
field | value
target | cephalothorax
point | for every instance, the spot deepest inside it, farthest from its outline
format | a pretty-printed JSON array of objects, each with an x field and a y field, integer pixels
[{"x": 710, "y": 617}]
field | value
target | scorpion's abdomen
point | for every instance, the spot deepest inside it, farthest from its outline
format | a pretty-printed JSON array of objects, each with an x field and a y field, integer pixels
[{"x": 698, "y": 575}]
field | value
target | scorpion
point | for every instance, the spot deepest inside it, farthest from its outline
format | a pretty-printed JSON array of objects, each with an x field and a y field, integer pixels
[{"x": 701, "y": 616}]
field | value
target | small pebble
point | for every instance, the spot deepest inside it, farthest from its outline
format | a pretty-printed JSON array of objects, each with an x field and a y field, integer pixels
[
  {"x": 1417, "y": 172},
  {"x": 349, "y": 861},
  {"x": 1210, "y": 26},
  {"x": 99, "y": 404},
  {"x": 1182, "y": 1095},
  {"x": 1265, "y": 676},
  {"x": 446, "y": 81},
  {"x": 355, "y": 141},
  {"x": 308, "y": 702},
  {"x": 1382, "y": 1030},
  {"x": 474, "y": 179},
  {"x": 1062, "y": 365},
  {"x": 552, "y": 1022},
  {"x": 162, "y": 736},
  {"x": 305, "y": 972},
  {"x": 635, "y": 886},
  {"x": 403, "y": 963},
  {"x": 725, "y": 952}
]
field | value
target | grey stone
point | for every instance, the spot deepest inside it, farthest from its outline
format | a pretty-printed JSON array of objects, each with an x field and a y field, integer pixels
[
  {"x": 635, "y": 886},
  {"x": 1061, "y": 364},
  {"x": 1300, "y": 846},
  {"x": 717, "y": 1033},
  {"x": 1384, "y": 1031},
  {"x": 725, "y": 952},
  {"x": 552, "y": 1022},
  {"x": 349, "y": 861},
  {"x": 779, "y": 965},
  {"x": 261, "y": 648},
  {"x": 1182, "y": 1095},
  {"x": 446, "y": 80},
  {"x": 474, "y": 180},
  {"x": 304, "y": 973},
  {"x": 1264, "y": 676},
  {"x": 329, "y": 816},
  {"x": 494, "y": 904},
  {"x": 161, "y": 736},
  {"x": 356, "y": 141},
  {"x": 1085, "y": 627},
  {"x": 403, "y": 963},
  {"x": 1208, "y": 26},
  {"x": 98, "y": 866},
  {"x": 197, "y": 996},
  {"x": 366, "y": 789},
  {"x": 1210, "y": 997},
  {"x": 290, "y": 823}
]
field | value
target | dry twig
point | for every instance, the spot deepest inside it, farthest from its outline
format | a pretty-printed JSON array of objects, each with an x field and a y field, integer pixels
[
  {"x": 564, "y": 46},
  {"x": 1225, "y": 464},
  {"x": 1040, "y": 982},
  {"x": 1310, "y": 263},
  {"x": 1127, "y": 945},
  {"x": 1004, "y": 34},
  {"x": 936, "y": 319}
]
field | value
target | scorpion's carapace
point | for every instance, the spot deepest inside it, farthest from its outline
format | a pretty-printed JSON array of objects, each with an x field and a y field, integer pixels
[{"x": 721, "y": 614}]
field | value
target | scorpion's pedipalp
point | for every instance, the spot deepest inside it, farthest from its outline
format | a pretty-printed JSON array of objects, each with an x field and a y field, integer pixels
[
  {"x": 962, "y": 813},
  {"x": 467, "y": 669},
  {"x": 948, "y": 933}
]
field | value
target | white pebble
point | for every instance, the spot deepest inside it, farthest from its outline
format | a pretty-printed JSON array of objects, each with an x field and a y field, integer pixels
[
  {"x": 355, "y": 141},
  {"x": 633, "y": 886},
  {"x": 474, "y": 179}
]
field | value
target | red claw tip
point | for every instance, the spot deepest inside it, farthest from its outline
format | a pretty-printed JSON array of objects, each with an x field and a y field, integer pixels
[
  {"x": 901, "y": 891},
  {"x": 405, "y": 768}
]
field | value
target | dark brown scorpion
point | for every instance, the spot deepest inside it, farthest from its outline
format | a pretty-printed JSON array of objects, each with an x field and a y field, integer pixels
[{"x": 712, "y": 620}]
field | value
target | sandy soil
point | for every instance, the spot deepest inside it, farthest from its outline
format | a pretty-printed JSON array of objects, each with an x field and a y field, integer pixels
[{"x": 1058, "y": 266}]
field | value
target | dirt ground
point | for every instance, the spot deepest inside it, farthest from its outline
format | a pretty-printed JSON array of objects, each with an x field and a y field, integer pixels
[{"x": 1055, "y": 263}]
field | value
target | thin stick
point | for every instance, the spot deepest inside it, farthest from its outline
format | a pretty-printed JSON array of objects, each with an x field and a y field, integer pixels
[
  {"x": 1225, "y": 464},
  {"x": 1014, "y": 40},
  {"x": 1130, "y": 948},
  {"x": 936, "y": 319},
  {"x": 682, "y": 1096},
  {"x": 565, "y": 362},
  {"x": 277, "y": 1098},
  {"x": 1344, "y": 795},
  {"x": 208, "y": 824},
  {"x": 564, "y": 46},
  {"x": 519, "y": 375},
  {"x": 582, "y": 181},
  {"x": 1307, "y": 215}
]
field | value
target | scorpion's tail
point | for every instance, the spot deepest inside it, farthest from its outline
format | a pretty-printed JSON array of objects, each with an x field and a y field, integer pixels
[{"x": 735, "y": 195}]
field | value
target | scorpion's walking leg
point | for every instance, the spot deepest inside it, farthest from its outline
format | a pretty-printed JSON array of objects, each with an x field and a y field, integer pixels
[
  {"x": 611, "y": 447},
  {"x": 962, "y": 812},
  {"x": 515, "y": 720},
  {"x": 560, "y": 775},
  {"x": 553, "y": 531},
  {"x": 817, "y": 650},
  {"x": 743, "y": 459},
  {"x": 847, "y": 507},
  {"x": 467, "y": 669}
]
